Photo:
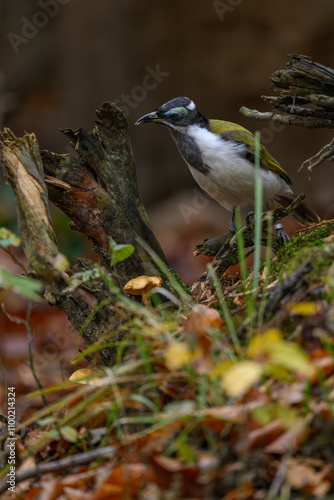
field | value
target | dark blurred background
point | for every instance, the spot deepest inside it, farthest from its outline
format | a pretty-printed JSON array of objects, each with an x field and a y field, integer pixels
[{"x": 61, "y": 59}]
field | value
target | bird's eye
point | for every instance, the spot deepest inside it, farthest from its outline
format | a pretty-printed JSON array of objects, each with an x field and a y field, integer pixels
[{"x": 177, "y": 113}]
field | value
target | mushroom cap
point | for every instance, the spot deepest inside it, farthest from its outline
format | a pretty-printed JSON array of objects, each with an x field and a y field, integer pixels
[{"x": 141, "y": 284}]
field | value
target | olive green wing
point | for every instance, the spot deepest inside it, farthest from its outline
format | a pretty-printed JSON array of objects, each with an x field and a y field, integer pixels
[{"x": 232, "y": 132}]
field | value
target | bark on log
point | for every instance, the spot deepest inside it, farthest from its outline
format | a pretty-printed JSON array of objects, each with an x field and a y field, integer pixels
[
  {"x": 103, "y": 199},
  {"x": 99, "y": 192},
  {"x": 300, "y": 83}
]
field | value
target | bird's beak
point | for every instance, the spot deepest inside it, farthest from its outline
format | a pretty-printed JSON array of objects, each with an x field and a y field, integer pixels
[{"x": 150, "y": 117}]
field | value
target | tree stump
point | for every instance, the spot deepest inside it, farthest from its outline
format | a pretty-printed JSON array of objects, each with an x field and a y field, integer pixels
[{"x": 98, "y": 191}]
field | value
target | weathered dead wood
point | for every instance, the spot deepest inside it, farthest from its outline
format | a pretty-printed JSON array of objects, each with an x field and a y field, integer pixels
[
  {"x": 103, "y": 199},
  {"x": 99, "y": 192},
  {"x": 300, "y": 83}
]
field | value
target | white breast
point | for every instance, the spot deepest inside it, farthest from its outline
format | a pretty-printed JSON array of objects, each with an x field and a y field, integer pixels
[{"x": 231, "y": 177}]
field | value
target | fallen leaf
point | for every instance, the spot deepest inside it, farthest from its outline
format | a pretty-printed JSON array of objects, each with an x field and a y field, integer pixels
[
  {"x": 86, "y": 376},
  {"x": 125, "y": 481},
  {"x": 201, "y": 320},
  {"x": 261, "y": 342},
  {"x": 260, "y": 437},
  {"x": 69, "y": 433},
  {"x": 304, "y": 308},
  {"x": 51, "y": 489},
  {"x": 329, "y": 238},
  {"x": 239, "y": 300},
  {"x": 291, "y": 394},
  {"x": 289, "y": 440},
  {"x": 177, "y": 355},
  {"x": 244, "y": 492},
  {"x": 303, "y": 474},
  {"x": 241, "y": 377},
  {"x": 273, "y": 349}
]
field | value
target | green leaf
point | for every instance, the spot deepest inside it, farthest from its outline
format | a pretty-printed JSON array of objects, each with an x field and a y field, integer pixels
[
  {"x": 267, "y": 413},
  {"x": 69, "y": 433},
  {"x": 81, "y": 277},
  {"x": 46, "y": 421},
  {"x": 185, "y": 452},
  {"x": 119, "y": 252},
  {"x": 7, "y": 238},
  {"x": 27, "y": 287}
]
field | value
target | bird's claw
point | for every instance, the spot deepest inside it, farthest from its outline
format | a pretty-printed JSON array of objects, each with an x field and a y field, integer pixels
[
  {"x": 233, "y": 227},
  {"x": 280, "y": 234}
]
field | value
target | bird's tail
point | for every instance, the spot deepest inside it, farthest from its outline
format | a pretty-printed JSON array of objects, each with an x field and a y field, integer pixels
[{"x": 303, "y": 213}]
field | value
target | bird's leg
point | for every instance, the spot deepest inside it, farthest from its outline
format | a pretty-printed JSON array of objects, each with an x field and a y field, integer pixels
[
  {"x": 278, "y": 229},
  {"x": 233, "y": 226},
  {"x": 280, "y": 233}
]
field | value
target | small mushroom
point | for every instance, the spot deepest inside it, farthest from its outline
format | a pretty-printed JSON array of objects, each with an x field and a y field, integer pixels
[{"x": 141, "y": 286}]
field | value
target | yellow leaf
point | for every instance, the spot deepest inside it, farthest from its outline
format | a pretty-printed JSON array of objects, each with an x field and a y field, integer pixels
[
  {"x": 260, "y": 343},
  {"x": 177, "y": 355},
  {"x": 291, "y": 356},
  {"x": 86, "y": 376},
  {"x": 304, "y": 308},
  {"x": 219, "y": 369},
  {"x": 240, "y": 377},
  {"x": 69, "y": 433}
]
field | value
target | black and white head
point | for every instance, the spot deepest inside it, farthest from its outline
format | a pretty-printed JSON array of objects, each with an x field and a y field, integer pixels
[{"x": 177, "y": 115}]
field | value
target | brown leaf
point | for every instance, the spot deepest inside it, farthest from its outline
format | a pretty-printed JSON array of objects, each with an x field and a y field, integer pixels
[
  {"x": 260, "y": 437},
  {"x": 290, "y": 439},
  {"x": 76, "y": 494},
  {"x": 239, "y": 300},
  {"x": 125, "y": 481},
  {"x": 197, "y": 328},
  {"x": 329, "y": 238},
  {"x": 302, "y": 474},
  {"x": 291, "y": 394},
  {"x": 243, "y": 492},
  {"x": 51, "y": 489}
]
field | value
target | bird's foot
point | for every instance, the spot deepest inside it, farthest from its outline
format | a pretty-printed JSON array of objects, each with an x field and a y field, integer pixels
[
  {"x": 233, "y": 227},
  {"x": 280, "y": 234}
]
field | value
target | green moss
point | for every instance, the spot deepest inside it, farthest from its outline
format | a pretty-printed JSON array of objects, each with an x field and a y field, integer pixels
[
  {"x": 186, "y": 288},
  {"x": 305, "y": 246},
  {"x": 177, "y": 278}
]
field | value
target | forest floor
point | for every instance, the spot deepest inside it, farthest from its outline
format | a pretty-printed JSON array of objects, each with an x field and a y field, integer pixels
[{"x": 232, "y": 398}]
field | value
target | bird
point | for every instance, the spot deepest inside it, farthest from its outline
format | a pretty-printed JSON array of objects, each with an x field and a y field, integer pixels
[{"x": 221, "y": 158}]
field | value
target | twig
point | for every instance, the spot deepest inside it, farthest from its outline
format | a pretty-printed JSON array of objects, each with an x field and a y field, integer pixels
[
  {"x": 26, "y": 323},
  {"x": 15, "y": 259},
  {"x": 288, "y": 286},
  {"x": 299, "y": 121},
  {"x": 63, "y": 463},
  {"x": 278, "y": 480},
  {"x": 322, "y": 155},
  {"x": 301, "y": 82}
]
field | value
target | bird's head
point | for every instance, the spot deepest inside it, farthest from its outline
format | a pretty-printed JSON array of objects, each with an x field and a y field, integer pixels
[{"x": 177, "y": 115}]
